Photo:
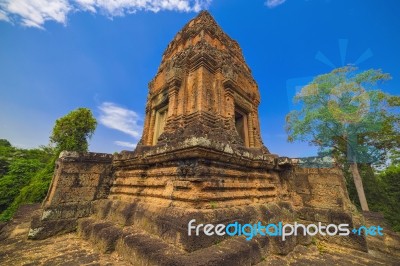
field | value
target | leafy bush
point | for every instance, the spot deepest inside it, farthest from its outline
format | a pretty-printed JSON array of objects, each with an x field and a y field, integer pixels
[
  {"x": 24, "y": 176},
  {"x": 390, "y": 179}
]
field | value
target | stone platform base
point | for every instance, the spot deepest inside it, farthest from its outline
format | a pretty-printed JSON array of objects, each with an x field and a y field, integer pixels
[
  {"x": 150, "y": 235},
  {"x": 141, "y": 248},
  {"x": 70, "y": 249}
]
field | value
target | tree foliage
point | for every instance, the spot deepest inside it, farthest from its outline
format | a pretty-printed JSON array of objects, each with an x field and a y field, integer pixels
[
  {"x": 72, "y": 131},
  {"x": 5, "y": 148},
  {"x": 23, "y": 167},
  {"x": 390, "y": 183},
  {"x": 345, "y": 114}
]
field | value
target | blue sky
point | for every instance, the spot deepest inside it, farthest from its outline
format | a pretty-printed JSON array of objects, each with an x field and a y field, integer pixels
[{"x": 58, "y": 55}]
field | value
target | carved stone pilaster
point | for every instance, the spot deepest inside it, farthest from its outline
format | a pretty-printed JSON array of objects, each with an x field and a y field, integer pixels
[
  {"x": 173, "y": 88},
  {"x": 151, "y": 128},
  {"x": 251, "y": 130},
  {"x": 229, "y": 103}
]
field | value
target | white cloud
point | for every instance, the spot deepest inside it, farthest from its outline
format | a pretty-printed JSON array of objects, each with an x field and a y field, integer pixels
[
  {"x": 34, "y": 13},
  {"x": 274, "y": 3},
  {"x": 125, "y": 144},
  {"x": 121, "y": 119},
  {"x": 3, "y": 16},
  {"x": 87, "y": 5}
]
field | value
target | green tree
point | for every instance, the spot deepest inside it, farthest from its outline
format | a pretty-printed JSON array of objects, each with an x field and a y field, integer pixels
[
  {"x": 344, "y": 114},
  {"x": 5, "y": 143},
  {"x": 25, "y": 177},
  {"x": 20, "y": 173},
  {"x": 72, "y": 131},
  {"x": 5, "y": 150},
  {"x": 34, "y": 191},
  {"x": 390, "y": 179}
]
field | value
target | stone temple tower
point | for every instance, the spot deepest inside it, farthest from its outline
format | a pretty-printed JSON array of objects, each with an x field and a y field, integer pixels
[
  {"x": 200, "y": 157},
  {"x": 203, "y": 88},
  {"x": 201, "y": 123}
]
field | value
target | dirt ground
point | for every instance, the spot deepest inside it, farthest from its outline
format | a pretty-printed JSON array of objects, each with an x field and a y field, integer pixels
[{"x": 68, "y": 249}]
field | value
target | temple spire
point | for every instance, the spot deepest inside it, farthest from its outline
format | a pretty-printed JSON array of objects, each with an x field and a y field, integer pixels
[{"x": 203, "y": 88}]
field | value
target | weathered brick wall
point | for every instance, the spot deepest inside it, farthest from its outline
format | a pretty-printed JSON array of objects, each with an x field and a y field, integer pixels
[
  {"x": 322, "y": 196},
  {"x": 79, "y": 179},
  {"x": 322, "y": 188}
]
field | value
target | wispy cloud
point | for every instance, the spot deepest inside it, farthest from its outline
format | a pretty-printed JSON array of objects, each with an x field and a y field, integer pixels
[
  {"x": 3, "y": 16},
  {"x": 34, "y": 13},
  {"x": 121, "y": 119},
  {"x": 274, "y": 3},
  {"x": 125, "y": 144}
]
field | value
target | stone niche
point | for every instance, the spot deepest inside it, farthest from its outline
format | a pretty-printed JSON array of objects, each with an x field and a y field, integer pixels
[{"x": 200, "y": 157}]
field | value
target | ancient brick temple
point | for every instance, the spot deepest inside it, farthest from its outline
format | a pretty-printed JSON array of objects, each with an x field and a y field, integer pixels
[
  {"x": 201, "y": 140},
  {"x": 200, "y": 157}
]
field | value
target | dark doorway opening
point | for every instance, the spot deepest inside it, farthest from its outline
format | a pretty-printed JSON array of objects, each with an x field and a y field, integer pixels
[{"x": 241, "y": 125}]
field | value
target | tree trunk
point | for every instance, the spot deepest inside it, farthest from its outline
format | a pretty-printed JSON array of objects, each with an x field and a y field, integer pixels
[{"x": 359, "y": 186}]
